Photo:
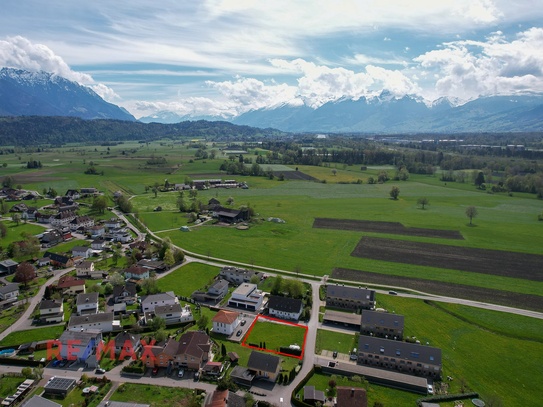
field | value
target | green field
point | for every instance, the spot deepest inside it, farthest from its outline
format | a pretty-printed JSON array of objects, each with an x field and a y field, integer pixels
[
  {"x": 32, "y": 335},
  {"x": 188, "y": 278},
  {"x": 274, "y": 335},
  {"x": 156, "y": 396},
  {"x": 334, "y": 341}
]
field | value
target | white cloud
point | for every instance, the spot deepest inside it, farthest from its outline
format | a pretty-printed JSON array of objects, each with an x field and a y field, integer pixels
[
  {"x": 19, "y": 52},
  {"x": 468, "y": 69}
]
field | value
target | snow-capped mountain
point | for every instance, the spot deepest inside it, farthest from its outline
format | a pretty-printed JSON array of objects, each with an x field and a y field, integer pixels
[
  {"x": 25, "y": 93},
  {"x": 406, "y": 115},
  {"x": 167, "y": 117}
]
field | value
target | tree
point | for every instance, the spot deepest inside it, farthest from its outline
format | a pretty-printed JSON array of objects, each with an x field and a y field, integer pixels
[
  {"x": 277, "y": 286},
  {"x": 25, "y": 273},
  {"x": 26, "y": 372},
  {"x": 37, "y": 372},
  {"x": 116, "y": 279},
  {"x": 161, "y": 335},
  {"x": 150, "y": 286},
  {"x": 16, "y": 218},
  {"x": 471, "y": 212},
  {"x": 3, "y": 230},
  {"x": 223, "y": 350},
  {"x": 168, "y": 258},
  {"x": 157, "y": 323},
  {"x": 395, "y": 192},
  {"x": 108, "y": 289},
  {"x": 202, "y": 322},
  {"x": 479, "y": 179},
  {"x": 423, "y": 202},
  {"x": 124, "y": 204},
  {"x": 99, "y": 204}
]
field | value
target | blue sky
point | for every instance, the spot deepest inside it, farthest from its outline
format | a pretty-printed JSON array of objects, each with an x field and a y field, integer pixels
[{"x": 225, "y": 57}]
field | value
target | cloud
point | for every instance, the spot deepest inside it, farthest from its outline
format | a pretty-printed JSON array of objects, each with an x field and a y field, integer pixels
[
  {"x": 469, "y": 69},
  {"x": 194, "y": 106},
  {"x": 19, "y": 52}
]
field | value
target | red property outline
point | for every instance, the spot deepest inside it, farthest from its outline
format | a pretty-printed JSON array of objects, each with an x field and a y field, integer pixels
[{"x": 281, "y": 321}]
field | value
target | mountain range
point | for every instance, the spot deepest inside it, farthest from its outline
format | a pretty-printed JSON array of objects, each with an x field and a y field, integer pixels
[{"x": 25, "y": 93}]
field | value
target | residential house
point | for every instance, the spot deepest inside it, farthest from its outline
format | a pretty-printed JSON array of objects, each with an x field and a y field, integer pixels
[
  {"x": 63, "y": 201},
  {"x": 285, "y": 308},
  {"x": 213, "y": 369},
  {"x": 405, "y": 357},
  {"x": 19, "y": 208},
  {"x": 149, "y": 302},
  {"x": 264, "y": 365},
  {"x": 52, "y": 238},
  {"x": 113, "y": 223},
  {"x": 73, "y": 194},
  {"x": 136, "y": 272},
  {"x": 228, "y": 215},
  {"x": 347, "y": 396},
  {"x": 98, "y": 244},
  {"x": 8, "y": 266},
  {"x": 38, "y": 401},
  {"x": 226, "y": 322},
  {"x": 81, "y": 223},
  {"x": 89, "y": 191},
  {"x": 9, "y": 292},
  {"x": 193, "y": 351},
  {"x": 85, "y": 269},
  {"x": 238, "y": 276},
  {"x": 125, "y": 294},
  {"x": 127, "y": 343},
  {"x": 97, "y": 231},
  {"x": 79, "y": 344},
  {"x": 215, "y": 292},
  {"x": 174, "y": 313},
  {"x": 30, "y": 213},
  {"x": 82, "y": 251},
  {"x": 383, "y": 324},
  {"x": 349, "y": 298},
  {"x": 70, "y": 285},
  {"x": 120, "y": 235},
  {"x": 225, "y": 398},
  {"x": 247, "y": 296},
  {"x": 51, "y": 311},
  {"x": 313, "y": 396},
  {"x": 59, "y": 260},
  {"x": 153, "y": 265},
  {"x": 44, "y": 261},
  {"x": 62, "y": 219},
  {"x": 103, "y": 321},
  {"x": 87, "y": 303}
]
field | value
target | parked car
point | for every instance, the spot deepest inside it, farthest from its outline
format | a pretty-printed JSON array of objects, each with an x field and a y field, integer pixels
[
  {"x": 430, "y": 389},
  {"x": 99, "y": 371},
  {"x": 155, "y": 371},
  {"x": 334, "y": 354},
  {"x": 181, "y": 372},
  {"x": 243, "y": 322},
  {"x": 393, "y": 293},
  {"x": 238, "y": 333},
  {"x": 55, "y": 363},
  {"x": 196, "y": 376},
  {"x": 63, "y": 363}
]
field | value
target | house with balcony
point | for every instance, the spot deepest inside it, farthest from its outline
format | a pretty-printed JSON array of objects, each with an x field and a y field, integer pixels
[
  {"x": 247, "y": 297},
  {"x": 103, "y": 321},
  {"x": 135, "y": 272},
  {"x": 70, "y": 285},
  {"x": 51, "y": 311},
  {"x": 126, "y": 293},
  {"x": 149, "y": 302},
  {"x": 9, "y": 292},
  {"x": 81, "y": 251},
  {"x": 237, "y": 276},
  {"x": 285, "y": 308},
  {"x": 225, "y": 322},
  {"x": 87, "y": 303}
]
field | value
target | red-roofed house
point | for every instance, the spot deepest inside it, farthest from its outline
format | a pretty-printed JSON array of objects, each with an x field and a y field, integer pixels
[
  {"x": 71, "y": 285},
  {"x": 226, "y": 322}
]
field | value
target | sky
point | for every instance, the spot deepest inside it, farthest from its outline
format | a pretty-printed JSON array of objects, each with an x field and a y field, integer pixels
[{"x": 227, "y": 57}]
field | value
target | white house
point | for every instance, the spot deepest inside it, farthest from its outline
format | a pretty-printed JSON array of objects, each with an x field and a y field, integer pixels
[
  {"x": 79, "y": 345},
  {"x": 84, "y": 252},
  {"x": 113, "y": 223},
  {"x": 9, "y": 291},
  {"x": 137, "y": 273},
  {"x": 103, "y": 321},
  {"x": 97, "y": 231},
  {"x": 149, "y": 302},
  {"x": 98, "y": 244},
  {"x": 51, "y": 311},
  {"x": 87, "y": 303},
  {"x": 285, "y": 308},
  {"x": 247, "y": 296},
  {"x": 226, "y": 322},
  {"x": 174, "y": 313}
]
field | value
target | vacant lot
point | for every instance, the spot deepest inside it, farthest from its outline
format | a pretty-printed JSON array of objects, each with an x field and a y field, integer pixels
[
  {"x": 271, "y": 335},
  {"x": 395, "y": 228},
  {"x": 495, "y": 262},
  {"x": 507, "y": 298},
  {"x": 294, "y": 175}
]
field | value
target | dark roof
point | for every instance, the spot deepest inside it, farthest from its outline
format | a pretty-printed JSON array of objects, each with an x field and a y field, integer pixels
[
  {"x": 126, "y": 336},
  {"x": 46, "y": 304},
  {"x": 162, "y": 309},
  {"x": 194, "y": 343},
  {"x": 400, "y": 350},
  {"x": 341, "y": 317},
  {"x": 62, "y": 384},
  {"x": 263, "y": 362},
  {"x": 311, "y": 394},
  {"x": 345, "y": 292},
  {"x": 128, "y": 287},
  {"x": 351, "y": 397},
  {"x": 383, "y": 319},
  {"x": 59, "y": 258},
  {"x": 38, "y": 401},
  {"x": 285, "y": 304},
  {"x": 87, "y": 298},
  {"x": 91, "y": 318},
  {"x": 8, "y": 288}
]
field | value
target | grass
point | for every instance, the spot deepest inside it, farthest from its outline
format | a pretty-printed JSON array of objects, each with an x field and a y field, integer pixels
[
  {"x": 8, "y": 385},
  {"x": 188, "y": 278},
  {"x": 77, "y": 398},
  {"x": 330, "y": 340},
  {"x": 31, "y": 335},
  {"x": 10, "y": 315},
  {"x": 275, "y": 334},
  {"x": 154, "y": 395}
]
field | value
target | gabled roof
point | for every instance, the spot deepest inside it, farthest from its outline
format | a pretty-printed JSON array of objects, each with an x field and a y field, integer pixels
[
  {"x": 9, "y": 288},
  {"x": 263, "y": 362},
  {"x": 194, "y": 343},
  {"x": 351, "y": 397},
  {"x": 400, "y": 350},
  {"x": 91, "y": 318},
  {"x": 84, "y": 336},
  {"x": 384, "y": 319},
  {"x": 163, "y": 309},
  {"x": 226, "y": 317},
  {"x": 168, "y": 296},
  {"x": 137, "y": 270},
  {"x": 128, "y": 287},
  {"x": 59, "y": 258},
  {"x": 124, "y": 336},
  {"x": 311, "y": 394},
  {"x": 285, "y": 304},
  {"x": 88, "y": 298},
  {"x": 69, "y": 281},
  {"x": 345, "y": 292},
  {"x": 46, "y": 304}
]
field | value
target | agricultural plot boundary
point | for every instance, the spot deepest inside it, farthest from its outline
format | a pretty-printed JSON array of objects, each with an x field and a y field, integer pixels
[
  {"x": 280, "y": 322},
  {"x": 395, "y": 228},
  {"x": 294, "y": 175},
  {"x": 494, "y": 262},
  {"x": 506, "y": 298}
]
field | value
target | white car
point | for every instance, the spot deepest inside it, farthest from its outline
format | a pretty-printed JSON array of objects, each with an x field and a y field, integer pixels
[
  {"x": 430, "y": 389},
  {"x": 181, "y": 372}
]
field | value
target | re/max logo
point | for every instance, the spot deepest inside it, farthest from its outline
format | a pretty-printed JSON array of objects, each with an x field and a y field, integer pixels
[{"x": 72, "y": 349}]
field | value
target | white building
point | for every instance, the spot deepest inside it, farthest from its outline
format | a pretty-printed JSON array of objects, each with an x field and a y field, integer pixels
[
  {"x": 226, "y": 322},
  {"x": 149, "y": 302},
  {"x": 51, "y": 311},
  {"x": 103, "y": 322},
  {"x": 247, "y": 296},
  {"x": 87, "y": 303}
]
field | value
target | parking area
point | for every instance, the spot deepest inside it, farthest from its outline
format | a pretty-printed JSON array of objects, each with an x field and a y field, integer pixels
[
  {"x": 242, "y": 329},
  {"x": 343, "y": 357}
]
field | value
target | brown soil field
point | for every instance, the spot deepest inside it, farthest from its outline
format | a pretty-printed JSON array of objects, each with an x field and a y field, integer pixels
[
  {"x": 42, "y": 176},
  {"x": 495, "y": 262},
  {"x": 295, "y": 175},
  {"x": 395, "y": 228},
  {"x": 510, "y": 299}
]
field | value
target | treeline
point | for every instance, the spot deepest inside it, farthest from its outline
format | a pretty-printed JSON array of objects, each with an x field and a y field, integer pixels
[{"x": 56, "y": 131}]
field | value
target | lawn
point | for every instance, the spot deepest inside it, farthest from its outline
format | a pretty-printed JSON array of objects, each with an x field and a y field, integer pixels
[
  {"x": 156, "y": 396},
  {"x": 271, "y": 335},
  {"x": 9, "y": 316},
  {"x": 8, "y": 385},
  {"x": 188, "y": 278},
  {"x": 334, "y": 341},
  {"x": 31, "y": 335}
]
